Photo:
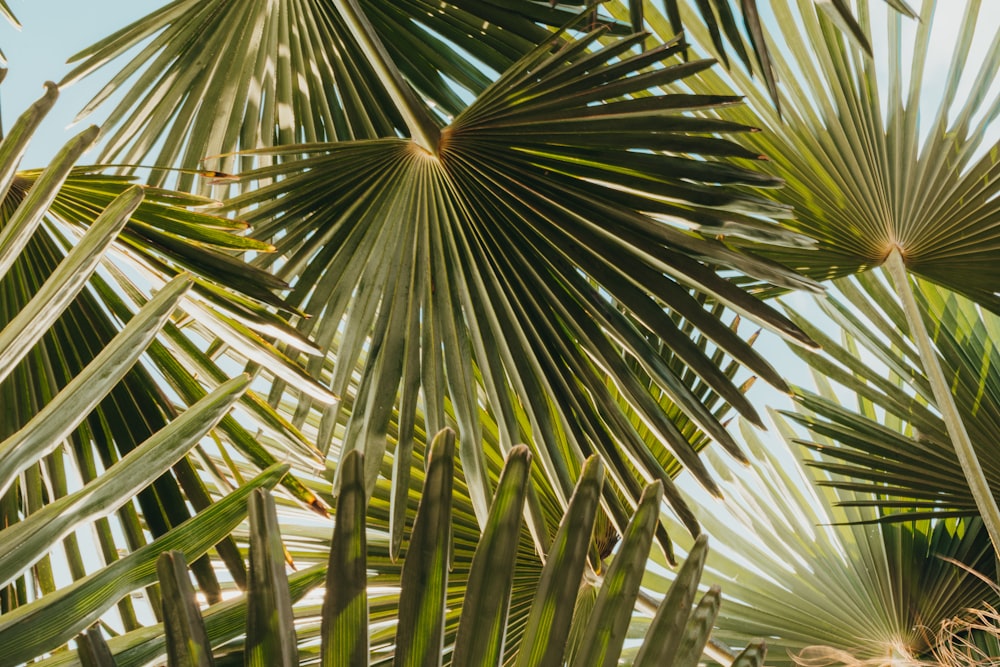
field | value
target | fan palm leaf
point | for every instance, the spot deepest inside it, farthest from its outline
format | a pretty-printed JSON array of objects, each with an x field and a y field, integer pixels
[
  {"x": 346, "y": 620},
  {"x": 718, "y": 18},
  {"x": 806, "y": 569},
  {"x": 893, "y": 183},
  {"x": 892, "y": 443},
  {"x": 295, "y": 71},
  {"x": 483, "y": 272},
  {"x": 864, "y": 174}
]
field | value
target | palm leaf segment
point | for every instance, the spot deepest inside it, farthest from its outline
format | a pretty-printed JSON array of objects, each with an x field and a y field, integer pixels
[
  {"x": 495, "y": 259},
  {"x": 9, "y": 15}
]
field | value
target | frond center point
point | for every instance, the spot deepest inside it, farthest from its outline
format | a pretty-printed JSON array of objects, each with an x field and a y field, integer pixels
[
  {"x": 422, "y": 152},
  {"x": 894, "y": 246}
]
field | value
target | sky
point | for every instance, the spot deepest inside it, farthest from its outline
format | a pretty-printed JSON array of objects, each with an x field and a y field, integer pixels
[{"x": 52, "y": 32}]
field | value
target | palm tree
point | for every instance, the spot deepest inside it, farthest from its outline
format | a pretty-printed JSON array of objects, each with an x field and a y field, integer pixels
[{"x": 484, "y": 215}]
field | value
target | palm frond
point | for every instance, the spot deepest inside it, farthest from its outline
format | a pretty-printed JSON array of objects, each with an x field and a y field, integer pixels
[
  {"x": 893, "y": 443},
  {"x": 872, "y": 164},
  {"x": 95, "y": 442},
  {"x": 716, "y": 23},
  {"x": 484, "y": 273},
  {"x": 426, "y": 579}
]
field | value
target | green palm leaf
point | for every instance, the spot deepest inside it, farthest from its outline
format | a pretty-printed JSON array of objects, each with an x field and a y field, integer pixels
[
  {"x": 563, "y": 576},
  {"x": 494, "y": 259},
  {"x": 892, "y": 443},
  {"x": 863, "y": 172},
  {"x": 78, "y": 401},
  {"x": 717, "y": 18}
]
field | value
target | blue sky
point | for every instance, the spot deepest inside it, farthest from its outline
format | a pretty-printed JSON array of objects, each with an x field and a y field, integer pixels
[{"x": 51, "y": 33}]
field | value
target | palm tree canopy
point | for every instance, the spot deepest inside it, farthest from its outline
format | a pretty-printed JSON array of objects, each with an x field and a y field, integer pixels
[
  {"x": 503, "y": 288},
  {"x": 295, "y": 72},
  {"x": 78, "y": 400},
  {"x": 529, "y": 226}
]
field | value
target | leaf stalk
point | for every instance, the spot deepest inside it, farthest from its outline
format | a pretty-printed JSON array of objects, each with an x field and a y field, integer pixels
[{"x": 967, "y": 459}]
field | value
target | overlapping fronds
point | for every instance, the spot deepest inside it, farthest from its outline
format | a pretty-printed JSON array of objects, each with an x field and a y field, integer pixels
[
  {"x": 294, "y": 71},
  {"x": 718, "y": 18},
  {"x": 104, "y": 395},
  {"x": 492, "y": 618},
  {"x": 890, "y": 440}
]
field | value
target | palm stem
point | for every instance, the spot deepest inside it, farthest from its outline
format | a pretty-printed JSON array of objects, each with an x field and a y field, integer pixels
[
  {"x": 967, "y": 458},
  {"x": 423, "y": 130}
]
